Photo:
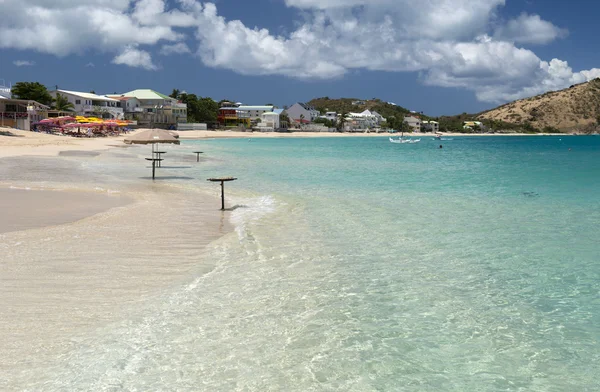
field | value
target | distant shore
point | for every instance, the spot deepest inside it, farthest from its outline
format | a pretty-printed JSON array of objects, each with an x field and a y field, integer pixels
[
  {"x": 16, "y": 143},
  {"x": 250, "y": 134}
]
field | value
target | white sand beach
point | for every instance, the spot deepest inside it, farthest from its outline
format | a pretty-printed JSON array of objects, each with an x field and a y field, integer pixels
[{"x": 85, "y": 237}]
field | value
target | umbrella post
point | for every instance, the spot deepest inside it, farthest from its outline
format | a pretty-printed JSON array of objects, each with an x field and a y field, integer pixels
[
  {"x": 154, "y": 160},
  {"x": 222, "y": 195},
  {"x": 222, "y": 181}
]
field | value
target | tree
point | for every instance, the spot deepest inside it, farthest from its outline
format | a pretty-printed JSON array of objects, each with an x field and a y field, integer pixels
[
  {"x": 528, "y": 128},
  {"x": 34, "y": 91},
  {"x": 325, "y": 121},
  {"x": 92, "y": 92},
  {"x": 175, "y": 93},
  {"x": 404, "y": 127},
  {"x": 62, "y": 104},
  {"x": 342, "y": 121},
  {"x": 200, "y": 109},
  {"x": 284, "y": 120}
]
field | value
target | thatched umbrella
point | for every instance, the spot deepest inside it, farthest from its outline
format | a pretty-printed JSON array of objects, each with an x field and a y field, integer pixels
[{"x": 152, "y": 136}]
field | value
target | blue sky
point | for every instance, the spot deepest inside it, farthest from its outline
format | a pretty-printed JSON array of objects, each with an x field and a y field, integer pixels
[{"x": 439, "y": 56}]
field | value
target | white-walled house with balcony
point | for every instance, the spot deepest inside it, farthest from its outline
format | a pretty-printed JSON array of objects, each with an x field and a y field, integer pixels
[
  {"x": 149, "y": 107},
  {"x": 431, "y": 126},
  {"x": 269, "y": 121},
  {"x": 254, "y": 112},
  {"x": 89, "y": 104}
]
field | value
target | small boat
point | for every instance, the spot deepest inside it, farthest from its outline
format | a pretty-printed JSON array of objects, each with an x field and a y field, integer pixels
[
  {"x": 402, "y": 140},
  {"x": 442, "y": 138}
]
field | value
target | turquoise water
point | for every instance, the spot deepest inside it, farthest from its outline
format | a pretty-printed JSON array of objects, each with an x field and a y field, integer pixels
[{"x": 362, "y": 265}]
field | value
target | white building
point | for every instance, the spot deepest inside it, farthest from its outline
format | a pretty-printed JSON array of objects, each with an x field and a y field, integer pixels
[
  {"x": 363, "y": 121},
  {"x": 331, "y": 116},
  {"x": 253, "y": 112},
  {"x": 149, "y": 105},
  {"x": 378, "y": 117},
  {"x": 269, "y": 121},
  {"x": 5, "y": 92},
  {"x": 414, "y": 123},
  {"x": 89, "y": 104},
  {"x": 431, "y": 126}
]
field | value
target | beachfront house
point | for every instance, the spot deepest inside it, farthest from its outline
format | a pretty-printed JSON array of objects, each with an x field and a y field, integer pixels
[
  {"x": 473, "y": 125},
  {"x": 331, "y": 116},
  {"x": 283, "y": 118},
  {"x": 151, "y": 108},
  {"x": 228, "y": 116},
  {"x": 128, "y": 104},
  {"x": 253, "y": 112},
  {"x": 414, "y": 123},
  {"x": 430, "y": 126},
  {"x": 378, "y": 117},
  {"x": 360, "y": 122},
  {"x": 302, "y": 113},
  {"x": 21, "y": 113},
  {"x": 269, "y": 122},
  {"x": 90, "y": 104}
]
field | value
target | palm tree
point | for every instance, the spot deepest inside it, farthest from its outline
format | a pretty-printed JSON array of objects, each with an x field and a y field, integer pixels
[
  {"x": 341, "y": 121},
  {"x": 62, "y": 104},
  {"x": 175, "y": 93}
]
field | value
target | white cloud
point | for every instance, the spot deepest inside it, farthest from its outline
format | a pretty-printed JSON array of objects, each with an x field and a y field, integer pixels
[
  {"x": 530, "y": 29},
  {"x": 178, "y": 48},
  {"x": 24, "y": 63},
  {"x": 72, "y": 26},
  {"x": 134, "y": 57},
  {"x": 90, "y": 65},
  {"x": 454, "y": 43}
]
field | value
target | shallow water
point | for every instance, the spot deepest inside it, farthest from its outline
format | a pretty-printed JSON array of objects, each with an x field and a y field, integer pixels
[{"x": 362, "y": 265}]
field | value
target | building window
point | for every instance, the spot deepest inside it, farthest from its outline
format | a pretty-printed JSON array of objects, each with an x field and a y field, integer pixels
[{"x": 78, "y": 101}]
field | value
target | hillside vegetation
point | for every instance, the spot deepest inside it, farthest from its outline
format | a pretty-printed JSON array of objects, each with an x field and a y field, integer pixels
[
  {"x": 575, "y": 109},
  {"x": 344, "y": 105}
]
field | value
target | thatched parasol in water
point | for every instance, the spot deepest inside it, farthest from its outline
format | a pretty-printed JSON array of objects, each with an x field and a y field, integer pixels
[{"x": 152, "y": 136}]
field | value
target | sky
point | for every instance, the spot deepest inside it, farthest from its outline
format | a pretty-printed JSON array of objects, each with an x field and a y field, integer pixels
[{"x": 441, "y": 57}]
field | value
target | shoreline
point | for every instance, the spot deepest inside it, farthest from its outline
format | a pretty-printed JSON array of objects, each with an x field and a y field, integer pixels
[{"x": 23, "y": 143}]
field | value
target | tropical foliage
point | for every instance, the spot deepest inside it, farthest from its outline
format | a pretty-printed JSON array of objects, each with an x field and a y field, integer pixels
[
  {"x": 61, "y": 103},
  {"x": 34, "y": 91},
  {"x": 199, "y": 109}
]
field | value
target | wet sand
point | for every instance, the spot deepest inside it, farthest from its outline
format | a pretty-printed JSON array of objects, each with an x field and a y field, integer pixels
[{"x": 23, "y": 209}]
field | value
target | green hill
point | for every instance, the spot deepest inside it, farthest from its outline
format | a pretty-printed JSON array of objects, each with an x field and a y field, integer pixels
[{"x": 346, "y": 105}]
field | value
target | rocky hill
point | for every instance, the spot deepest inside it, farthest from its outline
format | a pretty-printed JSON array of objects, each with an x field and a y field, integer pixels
[{"x": 576, "y": 108}]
